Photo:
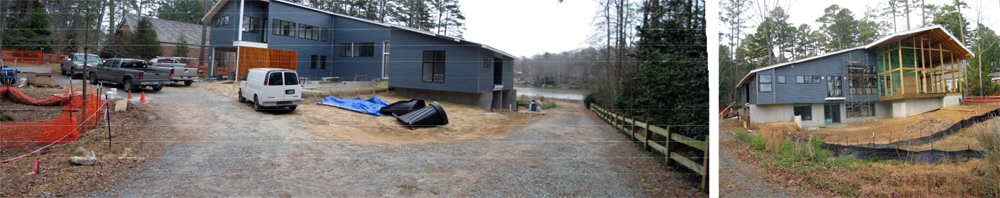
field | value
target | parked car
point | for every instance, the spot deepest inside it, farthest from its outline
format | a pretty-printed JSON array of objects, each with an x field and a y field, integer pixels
[
  {"x": 180, "y": 70},
  {"x": 130, "y": 73},
  {"x": 271, "y": 87},
  {"x": 73, "y": 64}
]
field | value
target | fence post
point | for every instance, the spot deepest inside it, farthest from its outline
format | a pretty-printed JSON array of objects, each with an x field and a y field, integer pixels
[
  {"x": 704, "y": 168},
  {"x": 39, "y": 57},
  {"x": 645, "y": 144},
  {"x": 666, "y": 145},
  {"x": 632, "y": 128}
]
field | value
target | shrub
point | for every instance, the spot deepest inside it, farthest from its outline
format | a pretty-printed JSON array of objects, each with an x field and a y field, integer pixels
[{"x": 5, "y": 117}]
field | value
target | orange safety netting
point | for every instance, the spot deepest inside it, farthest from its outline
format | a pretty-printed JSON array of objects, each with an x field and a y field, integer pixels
[{"x": 76, "y": 116}]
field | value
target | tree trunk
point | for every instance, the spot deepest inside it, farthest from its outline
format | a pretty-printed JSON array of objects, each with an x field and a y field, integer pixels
[
  {"x": 204, "y": 32},
  {"x": 3, "y": 19},
  {"x": 907, "y": 14}
]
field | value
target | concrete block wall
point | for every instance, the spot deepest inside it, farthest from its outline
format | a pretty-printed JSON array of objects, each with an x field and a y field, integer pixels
[{"x": 907, "y": 107}]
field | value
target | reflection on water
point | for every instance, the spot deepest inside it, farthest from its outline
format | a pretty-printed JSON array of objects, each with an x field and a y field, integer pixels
[{"x": 568, "y": 94}]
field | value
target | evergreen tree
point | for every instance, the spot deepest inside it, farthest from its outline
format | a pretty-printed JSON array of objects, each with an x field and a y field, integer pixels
[
  {"x": 31, "y": 33},
  {"x": 188, "y": 11},
  {"x": 182, "y": 47},
  {"x": 144, "y": 43}
]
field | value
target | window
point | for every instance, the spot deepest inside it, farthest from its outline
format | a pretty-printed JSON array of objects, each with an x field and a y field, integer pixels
[
  {"x": 781, "y": 79},
  {"x": 251, "y": 25},
  {"x": 309, "y": 32},
  {"x": 834, "y": 87},
  {"x": 313, "y": 63},
  {"x": 222, "y": 21},
  {"x": 284, "y": 28},
  {"x": 765, "y": 83},
  {"x": 862, "y": 80},
  {"x": 323, "y": 34},
  {"x": 357, "y": 49},
  {"x": 860, "y": 109},
  {"x": 291, "y": 78},
  {"x": 433, "y": 66},
  {"x": 808, "y": 79},
  {"x": 263, "y": 35},
  {"x": 486, "y": 62},
  {"x": 803, "y": 110},
  {"x": 274, "y": 78},
  {"x": 322, "y": 62}
]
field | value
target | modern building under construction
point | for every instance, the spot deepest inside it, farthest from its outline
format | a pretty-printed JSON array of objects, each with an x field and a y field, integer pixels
[{"x": 899, "y": 75}]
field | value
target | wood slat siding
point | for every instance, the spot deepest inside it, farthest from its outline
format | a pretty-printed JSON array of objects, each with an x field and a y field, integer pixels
[
  {"x": 462, "y": 62},
  {"x": 305, "y": 47},
  {"x": 265, "y": 58},
  {"x": 353, "y": 31},
  {"x": 633, "y": 128},
  {"x": 790, "y": 92}
]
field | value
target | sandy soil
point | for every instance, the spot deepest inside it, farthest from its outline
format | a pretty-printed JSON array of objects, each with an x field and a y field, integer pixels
[
  {"x": 465, "y": 122},
  {"x": 897, "y": 129}
]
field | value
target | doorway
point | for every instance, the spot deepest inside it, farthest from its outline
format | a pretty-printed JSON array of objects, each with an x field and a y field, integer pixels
[
  {"x": 831, "y": 112},
  {"x": 497, "y": 71}
]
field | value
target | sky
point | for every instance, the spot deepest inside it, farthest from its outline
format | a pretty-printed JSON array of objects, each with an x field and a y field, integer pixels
[
  {"x": 804, "y": 11},
  {"x": 529, "y": 27}
]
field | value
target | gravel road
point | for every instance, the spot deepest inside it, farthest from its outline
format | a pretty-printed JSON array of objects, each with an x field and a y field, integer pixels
[
  {"x": 737, "y": 179},
  {"x": 219, "y": 147}
]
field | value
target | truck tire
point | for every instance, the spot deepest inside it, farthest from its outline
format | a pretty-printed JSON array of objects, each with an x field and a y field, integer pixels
[
  {"x": 187, "y": 83},
  {"x": 240, "y": 95},
  {"x": 92, "y": 80},
  {"x": 157, "y": 87},
  {"x": 62, "y": 70},
  {"x": 256, "y": 106},
  {"x": 128, "y": 86},
  {"x": 292, "y": 107}
]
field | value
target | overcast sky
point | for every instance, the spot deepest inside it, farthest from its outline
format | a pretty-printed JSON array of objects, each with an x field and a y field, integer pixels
[
  {"x": 529, "y": 27},
  {"x": 804, "y": 11}
]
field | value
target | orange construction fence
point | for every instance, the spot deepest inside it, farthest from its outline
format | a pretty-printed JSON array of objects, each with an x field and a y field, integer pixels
[
  {"x": 31, "y": 56},
  {"x": 77, "y": 116}
]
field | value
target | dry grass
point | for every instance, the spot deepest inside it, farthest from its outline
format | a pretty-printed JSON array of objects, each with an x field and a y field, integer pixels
[
  {"x": 895, "y": 129},
  {"x": 988, "y": 135}
]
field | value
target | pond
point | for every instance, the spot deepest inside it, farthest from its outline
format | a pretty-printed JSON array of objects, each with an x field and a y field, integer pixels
[{"x": 567, "y": 94}]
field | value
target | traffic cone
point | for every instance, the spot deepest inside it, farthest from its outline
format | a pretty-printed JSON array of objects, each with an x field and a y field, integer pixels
[
  {"x": 143, "y": 97},
  {"x": 130, "y": 94}
]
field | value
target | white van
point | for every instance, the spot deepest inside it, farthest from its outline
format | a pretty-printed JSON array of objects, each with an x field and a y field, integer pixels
[{"x": 271, "y": 87}]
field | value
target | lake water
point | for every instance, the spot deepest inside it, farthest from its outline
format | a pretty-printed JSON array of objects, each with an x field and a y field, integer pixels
[{"x": 568, "y": 94}]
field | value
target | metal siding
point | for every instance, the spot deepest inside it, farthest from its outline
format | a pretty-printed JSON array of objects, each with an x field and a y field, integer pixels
[
  {"x": 790, "y": 92},
  {"x": 508, "y": 73},
  {"x": 354, "y": 31},
  {"x": 485, "y": 74},
  {"x": 305, "y": 47},
  {"x": 463, "y": 61},
  {"x": 225, "y": 35},
  {"x": 253, "y": 9}
]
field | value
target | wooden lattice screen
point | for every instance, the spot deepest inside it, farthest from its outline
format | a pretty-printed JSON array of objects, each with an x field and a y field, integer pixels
[{"x": 251, "y": 57}]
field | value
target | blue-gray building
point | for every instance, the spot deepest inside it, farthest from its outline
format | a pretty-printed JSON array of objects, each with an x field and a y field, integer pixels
[
  {"x": 899, "y": 75},
  {"x": 421, "y": 64}
]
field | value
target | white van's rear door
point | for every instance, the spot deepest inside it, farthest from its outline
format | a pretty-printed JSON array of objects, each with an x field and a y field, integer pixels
[
  {"x": 292, "y": 89},
  {"x": 273, "y": 89}
]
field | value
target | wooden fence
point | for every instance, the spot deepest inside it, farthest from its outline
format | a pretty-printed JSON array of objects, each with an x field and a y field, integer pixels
[{"x": 639, "y": 131}]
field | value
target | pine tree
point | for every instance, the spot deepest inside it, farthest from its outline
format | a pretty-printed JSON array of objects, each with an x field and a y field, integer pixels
[
  {"x": 182, "y": 47},
  {"x": 144, "y": 43}
]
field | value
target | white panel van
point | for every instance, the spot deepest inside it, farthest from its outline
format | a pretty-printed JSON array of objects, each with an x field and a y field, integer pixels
[{"x": 271, "y": 87}]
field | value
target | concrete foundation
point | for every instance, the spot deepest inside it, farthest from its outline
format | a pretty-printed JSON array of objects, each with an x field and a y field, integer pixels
[
  {"x": 486, "y": 100},
  {"x": 951, "y": 100},
  {"x": 906, "y": 107}
]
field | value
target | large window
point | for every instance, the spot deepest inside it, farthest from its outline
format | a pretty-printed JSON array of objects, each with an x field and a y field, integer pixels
[
  {"x": 284, "y": 28},
  {"x": 860, "y": 109},
  {"x": 765, "y": 83},
  {"x": 222, "y": 21},
  {"x": 808, "y": 79},
  {"x": 433, "y": 66},
  {"x": 357, "y": 49},
  {"x": 313, "y": 65},
  {"x": 309, "y": 32},
  {"x": 250, "y": 24},
  {"x": 804, "y": 111},
  {"x": 862, "y": 80},
  {"x": 834, "y": 87},
  {"x": 324, "y": 34}
]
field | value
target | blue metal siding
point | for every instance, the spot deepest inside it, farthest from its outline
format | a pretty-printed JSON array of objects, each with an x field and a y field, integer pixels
[
  {"x": 790, "y": 92},
  {"x": 354, "y": 31},
  {"x": 508, "y": 73},
  {"x": 225, "y": 35},
  {"x": 463, "y": 62},
  {"x": 252, "y": 9},
  {"x": 485, "y": 74},
  {"x": 305, "y": 48}
]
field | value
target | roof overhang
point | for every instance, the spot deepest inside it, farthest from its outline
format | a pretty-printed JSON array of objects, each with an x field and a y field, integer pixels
[
  {"x": 487, "y": 47},
  {"x": 753, "y": 72}
]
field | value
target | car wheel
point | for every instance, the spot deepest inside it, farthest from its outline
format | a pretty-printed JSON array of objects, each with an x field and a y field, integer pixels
[
  {"x": 240, "y": 95},
  {"x": 292, "y": 107},
  {"x": 127, "y": 85},
  {"x": 157, "y": 87},
  {"x": 256, "y": 106},
  {"x": 72, "y": 72},
  {"x": 187, "y": 83}
]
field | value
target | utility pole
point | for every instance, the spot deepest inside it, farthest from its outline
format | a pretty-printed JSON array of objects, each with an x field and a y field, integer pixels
[{"x": 204, "y": 30}]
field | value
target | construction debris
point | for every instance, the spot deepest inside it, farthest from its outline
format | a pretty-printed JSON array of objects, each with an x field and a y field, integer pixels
[
  {"x": 83, "y": 156},
  {"x": 430, "y": 116}
]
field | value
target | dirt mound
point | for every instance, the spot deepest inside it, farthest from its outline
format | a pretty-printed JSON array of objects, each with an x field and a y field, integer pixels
[{"x": 928, "y": 125}]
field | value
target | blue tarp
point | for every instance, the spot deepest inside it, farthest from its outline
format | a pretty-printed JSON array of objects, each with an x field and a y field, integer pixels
[{"x": 369, "y": 106}]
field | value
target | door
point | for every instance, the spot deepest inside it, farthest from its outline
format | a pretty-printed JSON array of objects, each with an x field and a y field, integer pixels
[
  {"x": 831, "y": 113},
  {"x": 497, "y": 71}
]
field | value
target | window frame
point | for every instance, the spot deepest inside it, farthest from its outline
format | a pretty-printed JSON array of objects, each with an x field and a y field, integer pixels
[
  {"x": 222, "y": 21},
  {"x": 834, "y": 86},
  {"x": 250, "y": 25},
  {"x": 312, "y": 64},
  {"x": 438, "y": 59},
  {"x": 780, "y": 79},
  {"x": 806, "y": 113},
  {"x": 322, "y": 62},
  {"x": 769, "y": 83}
]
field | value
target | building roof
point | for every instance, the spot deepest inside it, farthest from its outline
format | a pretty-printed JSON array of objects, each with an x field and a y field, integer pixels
[
  {"x": 168, "y": 31},
  {"x": 218, "y": 6},
  {"x": 935, "y": 33}
]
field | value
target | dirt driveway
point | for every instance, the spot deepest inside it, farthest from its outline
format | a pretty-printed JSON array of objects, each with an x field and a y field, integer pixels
[{"x": 219, "y": 147}]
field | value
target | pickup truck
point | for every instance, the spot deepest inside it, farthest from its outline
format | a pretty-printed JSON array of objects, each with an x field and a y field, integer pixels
[
  {"x": 73, "y": 64},
  {"x": 130, "y": 73},
  {"x": 180, "y": 70}
]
